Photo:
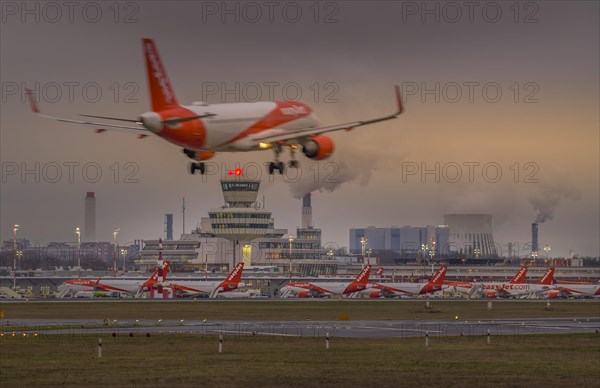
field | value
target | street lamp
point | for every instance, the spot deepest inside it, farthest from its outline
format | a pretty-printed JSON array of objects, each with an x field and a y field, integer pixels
[
  {"x": 78, "y": 232},
  {"x": 124, "y": 254},
  {"x": 363, "y": 242},
  {"x": 369, "y": 254},
  {"x": 115, "y": 233},
  {"x": 547, "y": 250},
  {"x": 534, "y": 255},
  {"x": 291, "y": 240},
  {"x": 477, "y": 252},
  {"x": 15, "y": 228}
]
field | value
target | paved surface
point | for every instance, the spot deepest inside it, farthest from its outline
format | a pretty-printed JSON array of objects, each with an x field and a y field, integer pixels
[{"x": 293, "y": 329}]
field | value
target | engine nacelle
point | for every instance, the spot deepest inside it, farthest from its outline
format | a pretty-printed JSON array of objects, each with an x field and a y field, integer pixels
[
  {"x": 199, "y": 156},
  {"x": 490, "y": 294},
  {"x": 303, "y": 294},
  {"x": 552, "y": 294},
  {"x": 374, "y": 294},
  {"x": 318, "y": 148}
]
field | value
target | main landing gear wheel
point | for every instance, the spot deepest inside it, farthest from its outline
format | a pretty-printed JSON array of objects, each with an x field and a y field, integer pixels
[
  {"x": 276, "y": 166},
  {"x": 197, "y": 166}
]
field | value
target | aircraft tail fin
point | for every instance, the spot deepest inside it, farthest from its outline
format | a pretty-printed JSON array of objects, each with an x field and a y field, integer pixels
[
  {"x": 361, "y": 281},
  {"x": 379, "y": 271},
  {"x": 548, "y": 277},
  {"x": 440, "y": 275},
  {"x": 233, "y": 279},
  {"x": 520, "y": 276},
  {"x": 161, "y": 92}
]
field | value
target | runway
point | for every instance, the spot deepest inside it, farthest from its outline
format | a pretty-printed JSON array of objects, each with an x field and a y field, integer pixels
[{"x": 444, "y": 329}]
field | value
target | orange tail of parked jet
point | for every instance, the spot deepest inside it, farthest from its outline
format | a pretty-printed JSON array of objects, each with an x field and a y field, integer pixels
[
  {"x": 360, "y": 283},
  {"x": 233, "y": 279},
  {"x": 547, "y": 278},
  {"x": 520, "y": 276}
]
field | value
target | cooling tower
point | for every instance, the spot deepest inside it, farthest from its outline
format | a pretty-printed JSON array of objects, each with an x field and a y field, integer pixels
[{"x": 471, "y": 234}]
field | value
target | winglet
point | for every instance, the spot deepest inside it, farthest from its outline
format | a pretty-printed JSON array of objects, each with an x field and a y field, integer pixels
[
  {"x": 399, "y": 100},
  {"x": 32, "y": 103}
]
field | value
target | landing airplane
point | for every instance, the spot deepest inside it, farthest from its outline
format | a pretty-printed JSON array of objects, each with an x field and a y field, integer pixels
[
  {"x": 210, "y": 288},
  {"x": 388, "y": 290},
  {"x": 129, "y": 286},
  {"x": 323, "y": 289},
  {"x": 490, "y": 289},
  {"x": 202, "y": 129}
]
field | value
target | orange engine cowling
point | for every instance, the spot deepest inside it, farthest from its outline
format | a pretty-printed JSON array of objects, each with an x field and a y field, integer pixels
[
  {"x": 318, "y": 147},
  {"x": 374, "y": 294},
  {"x": 490, "y": 294},
  {"x": 303, "y": 294},
  {"x": 204, "y": 155},
  {"x": 552, "y": 294}
]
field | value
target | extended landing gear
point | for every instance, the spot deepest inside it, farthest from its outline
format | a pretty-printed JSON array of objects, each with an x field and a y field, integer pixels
[
  {"x": 293, "y": 162},
  {"x": 197, "y": 167},
  {"x": 276, "y": 166},
  {"x": 280, "y": 166}
]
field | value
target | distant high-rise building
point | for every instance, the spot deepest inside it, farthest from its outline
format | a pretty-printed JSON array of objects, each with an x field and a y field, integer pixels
[
  {"x": 89, "y": 230},
  {"x": 534, "y": 237},
  {"x": 169, "y": 226}
]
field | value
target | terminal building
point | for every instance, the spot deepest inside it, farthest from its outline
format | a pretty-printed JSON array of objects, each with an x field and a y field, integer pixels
[
  {"x": 243, "y": 230},
  {"x": 402, "y": 240}
]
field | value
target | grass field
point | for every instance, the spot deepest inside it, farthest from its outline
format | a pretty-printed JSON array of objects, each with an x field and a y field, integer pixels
[
  {"x": 297, "y": 310},
  {"x": 186, "y": 360}
]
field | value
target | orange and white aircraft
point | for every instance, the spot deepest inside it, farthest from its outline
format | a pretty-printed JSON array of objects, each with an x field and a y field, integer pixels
[
  {"x": 490, "y": 289},
  {"x": 202, "y": 129},
  {"x": 572, "y": 290},
  {"x": 210, "y": 288},
  {"x": 388, "y": 290},
  {"x": 323, "y": 289},
  {"x": 128, "y": 286}
]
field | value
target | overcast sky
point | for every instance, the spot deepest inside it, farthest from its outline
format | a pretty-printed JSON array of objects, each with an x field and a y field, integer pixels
[{"x": 501, "y": 110}]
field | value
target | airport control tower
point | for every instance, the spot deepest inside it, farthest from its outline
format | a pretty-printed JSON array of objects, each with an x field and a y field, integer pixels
[{"x": 241, "y": 219}]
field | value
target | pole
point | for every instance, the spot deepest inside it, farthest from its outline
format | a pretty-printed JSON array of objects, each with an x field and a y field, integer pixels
[
  {"x": 15, "y": 228},
  {"x": 220, "y": 343},
  {"x": 327, "y": 341},
  {"x": 426, "y": 339},
  {"x": 99, "y": 347},
  {"x": 78, "y": 252},
  {"x": 488, "y": 337}
]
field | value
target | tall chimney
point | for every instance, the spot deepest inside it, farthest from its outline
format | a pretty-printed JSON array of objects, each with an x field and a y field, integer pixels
[
  {"x": 534, "y": 237},
  {"x": 306, "y": 212},
  {"x": 169, "y": 226},
  {"x": 89, "y": 222}
]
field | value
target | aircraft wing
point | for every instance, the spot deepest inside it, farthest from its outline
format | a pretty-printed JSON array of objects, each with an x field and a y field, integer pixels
[
  {"x": 100, "y": 127},
  {"x": 305, "y": 133}
]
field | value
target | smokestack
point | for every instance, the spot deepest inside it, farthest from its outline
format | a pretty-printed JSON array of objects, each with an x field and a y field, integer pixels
[
  {"x": 534, "y": 237},
  {"x": 306, "y": 212},
  {"x": 89, "y": 229},
  {"x": 169, "y": 226}
]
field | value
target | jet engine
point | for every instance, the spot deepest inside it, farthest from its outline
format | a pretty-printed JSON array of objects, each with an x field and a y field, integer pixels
[{"x": 318, "y": 148}]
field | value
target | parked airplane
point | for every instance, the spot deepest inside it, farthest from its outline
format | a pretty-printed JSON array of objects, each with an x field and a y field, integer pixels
[
  {"x": 544, "y": 284},
  {"x": 567, "y": 290},
  {"x": 208, "y": 288},
  {"x": 322, "y": 289},
  {"x": 109, "y": 285},
  {"x": 202, "y": 129},
  {"x": 490, "y": 289},
  {"x": 436, "y": 283}
]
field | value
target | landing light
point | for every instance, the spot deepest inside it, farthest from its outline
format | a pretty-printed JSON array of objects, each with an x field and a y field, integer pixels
[{"x": 237, "y": 171}]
